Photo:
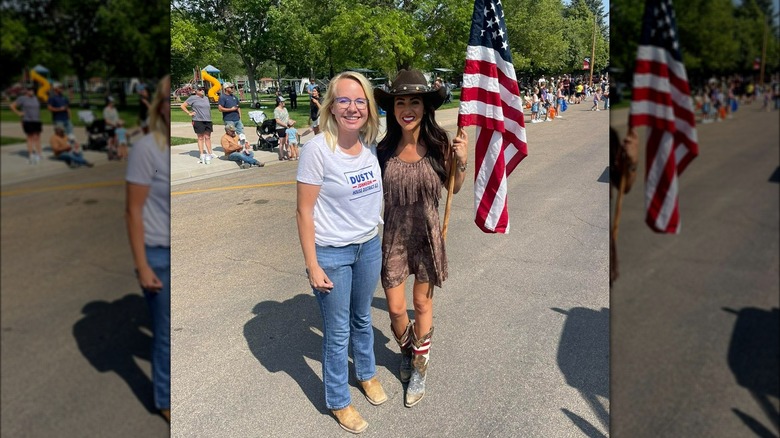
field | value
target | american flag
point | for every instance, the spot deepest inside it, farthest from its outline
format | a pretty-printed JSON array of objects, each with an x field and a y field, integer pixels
[
  {"x": 490, "y": 99},
  {"x": 661, "y": 100}
]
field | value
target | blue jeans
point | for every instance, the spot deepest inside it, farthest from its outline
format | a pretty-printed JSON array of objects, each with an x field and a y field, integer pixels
[
  {"x": 159, "y": 259},
  {"x": 240, "y": 156},
  {"x": 72, "y": 157},
  {"x": 346, "y": 315},
  {"x": 238, "y": 124}
]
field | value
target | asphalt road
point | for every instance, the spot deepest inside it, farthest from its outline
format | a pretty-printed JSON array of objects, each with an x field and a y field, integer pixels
[
  {"x": 521, "y": 345},
  {"x": 75, "y": 327},
  {"x": 695, "y": 315}
]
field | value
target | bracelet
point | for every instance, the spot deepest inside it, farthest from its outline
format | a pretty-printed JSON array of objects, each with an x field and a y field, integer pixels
[{"x": 462, "y": 167}]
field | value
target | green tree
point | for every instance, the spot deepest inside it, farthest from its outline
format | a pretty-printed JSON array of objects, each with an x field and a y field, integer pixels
[
  {"x": 446, "y": 26},
  {"x": 536, "y": 30},
  {"x": 389, "y": 39},
  {"x": 247, "y": 28},
  {"x": 192, "y": 46},
  {"x": 581, "y": 25}
]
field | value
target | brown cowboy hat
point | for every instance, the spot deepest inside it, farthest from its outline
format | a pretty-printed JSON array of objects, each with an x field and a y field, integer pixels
[{"x": 409, "y": 82}]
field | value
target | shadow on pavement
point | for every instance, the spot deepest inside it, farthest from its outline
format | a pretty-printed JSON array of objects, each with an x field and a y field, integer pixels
[
  {"x": 775, "y": 177},
  {"x": 583, "y": 357},
  {"x": 754, "y": 359},
  {"x": 282, "y": 335},
  {"x": 604, "y": 178},
  {"x": 194, "y": 154},
  {"x": 111, "y": 334},
  {"x": 583, "y": 424}
]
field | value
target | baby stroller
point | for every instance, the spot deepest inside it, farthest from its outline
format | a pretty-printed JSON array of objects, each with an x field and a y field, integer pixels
[
  {"x": 267, "y": 140},
  {"x": 97, "y": 138}
]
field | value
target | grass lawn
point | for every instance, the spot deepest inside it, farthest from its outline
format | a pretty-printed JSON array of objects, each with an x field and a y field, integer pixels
[
  {"x": 11, "y": 140},
  {"x": 175, "y": 141},
  {"x": 624, "y": 103},
  {"x": 300, "y": 115},
  {"x": 128, "y": 113}
]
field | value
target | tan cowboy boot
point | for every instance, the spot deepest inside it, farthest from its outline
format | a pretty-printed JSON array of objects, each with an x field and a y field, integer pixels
[
  {"x": 350, "y": 420},
  {"x": 405, "y": 344},
  {"x": 375, "y": 394},
  {"x": 422, "y": 349}
]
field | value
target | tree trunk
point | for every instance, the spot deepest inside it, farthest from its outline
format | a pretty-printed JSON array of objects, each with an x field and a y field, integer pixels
[
  {"x": 81, "y": 77},
  {"x": 250, "y": 73}
]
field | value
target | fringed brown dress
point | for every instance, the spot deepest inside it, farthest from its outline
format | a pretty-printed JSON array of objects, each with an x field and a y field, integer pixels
[{"x": 412, "y": 243}]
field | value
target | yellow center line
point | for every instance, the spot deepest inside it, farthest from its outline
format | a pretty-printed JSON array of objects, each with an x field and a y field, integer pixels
[
  {"x": 63, "y": 188},
  {"x": 220, "y": 189}
]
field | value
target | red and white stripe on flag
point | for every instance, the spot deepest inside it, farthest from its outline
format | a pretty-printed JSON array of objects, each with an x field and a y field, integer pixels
[
  {"x": 490, "y": 99},
  {"x": 661, "y": 100}
]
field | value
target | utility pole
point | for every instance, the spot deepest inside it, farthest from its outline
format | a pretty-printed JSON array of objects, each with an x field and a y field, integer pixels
[
  {"x": 763, "y": 51},
  {"x": 593, "y": 51}
]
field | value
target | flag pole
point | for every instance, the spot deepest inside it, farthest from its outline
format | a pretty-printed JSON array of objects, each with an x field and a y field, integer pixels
[
  {"x": 450, "y": 188},
  {"x": 618, "y": 206},
  {"x": 621, "y": 189}
]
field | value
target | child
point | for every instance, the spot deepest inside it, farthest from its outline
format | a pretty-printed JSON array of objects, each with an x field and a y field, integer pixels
[
  {"x": 544, "y": 105},
  {"x": 292, "y": 141},
  {"x": 535, "y": 106},
  {"x": 121, "y": 140},
  {"x": 596, "y": 98},
  {"x": 247, "y": 148}
]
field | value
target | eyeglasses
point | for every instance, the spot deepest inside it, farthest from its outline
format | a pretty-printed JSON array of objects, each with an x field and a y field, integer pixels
[{"x": 345, "y": 102}]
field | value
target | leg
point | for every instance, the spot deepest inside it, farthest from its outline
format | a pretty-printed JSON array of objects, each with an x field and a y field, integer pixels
[
  {"x": 30, "y": 152},
  {"x": 200, "y": 145},
  {"x": 160, "y": 308},
  {"x": 235, "y": 156},
  {"x": 421, "y": 341},
  {"x": 401, "y": 327},
  {"x": 365, "y": 277},
  {"x": 36, "y": 140},
  {"x": 78, "y": 159},
  {"x": 335, "y": 310},
  {"x": 396, "y": 306},
  {"x": 207, "y": 141},
  {"x": 423, "y": 308}
]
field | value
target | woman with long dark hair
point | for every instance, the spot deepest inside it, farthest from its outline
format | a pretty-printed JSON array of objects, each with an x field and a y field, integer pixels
[{"x": 415, "y": 158}]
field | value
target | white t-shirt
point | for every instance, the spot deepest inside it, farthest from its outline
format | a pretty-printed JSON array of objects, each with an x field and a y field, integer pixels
[
  {"x": 349, "y": 207},
  {"x": 148, "y": 165}
]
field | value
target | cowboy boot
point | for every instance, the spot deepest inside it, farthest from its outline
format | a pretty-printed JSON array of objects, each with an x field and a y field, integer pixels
[
  {"x": 405, "y": 344},
  {"x": 422, "y": 348},
  {"x": 375, "y": 394},
  {"x": 350, "y": 420}
]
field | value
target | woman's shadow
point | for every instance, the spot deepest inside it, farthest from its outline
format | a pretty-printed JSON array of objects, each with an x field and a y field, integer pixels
[
  {"x": 282, "y": 335},
  {"x": 583, "y": 358},
  {"x": 111, "y": 335}
]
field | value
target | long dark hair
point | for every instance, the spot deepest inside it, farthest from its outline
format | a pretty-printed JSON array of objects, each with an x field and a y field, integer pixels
[{"x": 432, "y": 136}]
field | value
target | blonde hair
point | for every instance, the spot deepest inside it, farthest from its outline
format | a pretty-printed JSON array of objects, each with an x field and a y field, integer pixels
[
  {"x": 330, "y": 127},
  {"x": 158, "y": 126}
]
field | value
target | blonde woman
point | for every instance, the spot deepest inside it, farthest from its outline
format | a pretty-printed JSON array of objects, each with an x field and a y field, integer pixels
[
  {"x": 338, "y": 212},
  {"x": 148, "y": 227}
]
